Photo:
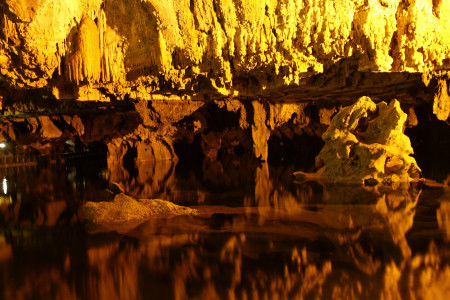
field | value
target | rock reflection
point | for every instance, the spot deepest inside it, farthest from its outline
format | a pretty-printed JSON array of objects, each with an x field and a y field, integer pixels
[
  {"x": 48, "y": 195},
  {"x": 443, "y": 218},
  {"x": 428, "y": 275},
  {"x": 152, "y": 178},
  {"x": 281, "y": 241}
]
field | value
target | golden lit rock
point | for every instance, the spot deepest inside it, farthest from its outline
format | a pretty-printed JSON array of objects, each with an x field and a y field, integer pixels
[
  {"x": 125, "y": 208},
  {"x": 83, "y": 62},
  {"x": 48, "y": 128},
  {"x": 365, "y": 141},
  {"x": 150, "y": 49},
  {"x": 441, "y": 103}
]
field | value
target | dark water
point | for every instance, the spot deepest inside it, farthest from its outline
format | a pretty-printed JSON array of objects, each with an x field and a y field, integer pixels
[{"x": 258, "y": 235}]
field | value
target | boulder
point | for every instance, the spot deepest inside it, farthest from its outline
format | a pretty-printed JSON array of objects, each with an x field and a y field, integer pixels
[
  {"x": 125, "y": 208},
  {"x": 365, "y": 143}
]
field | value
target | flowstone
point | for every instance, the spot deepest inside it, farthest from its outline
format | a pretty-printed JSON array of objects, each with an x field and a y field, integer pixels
[{"x": 365, "y": 144}]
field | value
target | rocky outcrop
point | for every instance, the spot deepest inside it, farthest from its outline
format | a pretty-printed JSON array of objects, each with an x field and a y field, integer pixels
[
  {"x": 441, "y": 103},
  {"x": 209, "y": 134},
  {"x": 196, "y": 131},
  {"x": 125, "y": 208},
  {"x": 365, "y": 143}
]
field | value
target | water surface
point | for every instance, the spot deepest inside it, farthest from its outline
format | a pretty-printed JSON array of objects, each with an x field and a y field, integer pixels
[{"x": 258, "y": 235}]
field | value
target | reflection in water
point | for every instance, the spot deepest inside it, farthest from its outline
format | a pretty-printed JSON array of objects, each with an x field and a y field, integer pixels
[
  {"x": 258, "y": 236},
  {"x": 443, "y": 217}
]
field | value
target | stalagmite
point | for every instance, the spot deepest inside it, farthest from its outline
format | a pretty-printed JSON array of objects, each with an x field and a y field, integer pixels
[
  {"x": 365, "y": 144},
  {"x": 441, "y": 103}
]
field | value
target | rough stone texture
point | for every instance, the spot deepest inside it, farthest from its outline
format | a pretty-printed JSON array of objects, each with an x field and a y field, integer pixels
[
  {"x": 365, "y": 142},
  {"x": 125, "y": 208},
  {"x": 213, "y": 129},
  {"x": 441, "y": 103},
  {"x": 260, "y": 131},
  {"x": 48, "y": 128},
  {"x": 216, "y": 132},
  {"x": 204, "y": 49}
]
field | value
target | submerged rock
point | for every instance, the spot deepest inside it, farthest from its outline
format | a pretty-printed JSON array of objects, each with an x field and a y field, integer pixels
[
  {"x": 365, "y": 143},
  {"x": 125, "y": 208}
]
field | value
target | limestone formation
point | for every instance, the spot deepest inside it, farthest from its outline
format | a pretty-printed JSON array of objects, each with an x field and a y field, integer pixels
[
  {"x": 83, "y": 64},
  {"x": 365, "y": 143},
  {"x": 213, "y": 77},
  {"x": 125, "y": 208},
  {"x": 441, "y": 103},
  {"x": 206, "y": 49}
]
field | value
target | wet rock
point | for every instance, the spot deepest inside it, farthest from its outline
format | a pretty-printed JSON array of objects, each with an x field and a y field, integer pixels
[
  {"x": 124, "y": 208},
  {"x": 365, "y": 142},
  {"x": 441, "y": 103},
  {"x": 48, "y": 128},
  {"x": 76, "y": 123}
]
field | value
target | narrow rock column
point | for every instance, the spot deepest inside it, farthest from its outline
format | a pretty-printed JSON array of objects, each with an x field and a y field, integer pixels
[
  {"x": 260, "y": 131},
  {"x": 441, "y": 103},
  {"x": 84, "y": 62}
]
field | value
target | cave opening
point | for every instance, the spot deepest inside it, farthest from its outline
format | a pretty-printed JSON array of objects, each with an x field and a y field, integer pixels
[
  {"x": 189, "y": 152},
  {"x": 430, "y": 140},
  {"x": 300, "y": 151},
  {"x": 129, "y": 162}
]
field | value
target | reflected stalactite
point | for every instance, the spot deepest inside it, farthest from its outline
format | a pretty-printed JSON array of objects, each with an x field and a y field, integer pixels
[
  {"x": 428, "y": 274},
  {"x": 147, "y": 180},
  {"x": 196, "y": 275},
  {"x": 233, "y": 267},
  {"x": 154, "y": 178},
  {"x": 398, "y": 208},
  {"x": 443, "y": 218},
  {"x": 263, "y": 187},
  {"x": 48, "y": 196}
]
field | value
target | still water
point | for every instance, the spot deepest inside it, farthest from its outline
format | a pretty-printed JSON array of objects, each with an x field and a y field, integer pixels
[{"x": 258, "y": 235}]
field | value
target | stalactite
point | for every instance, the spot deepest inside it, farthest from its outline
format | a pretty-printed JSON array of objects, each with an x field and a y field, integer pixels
[
  {"x": 10, "y": 30},
  {"x": 441, "y": 103},
  {"x": 84, "y": 62}
]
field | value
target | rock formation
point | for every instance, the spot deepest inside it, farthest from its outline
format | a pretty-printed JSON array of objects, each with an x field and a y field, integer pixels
[
  {"x": 209, "y": 77},
  {"x": 365, "y": 143},
  {"x": 125, "y": 208},
  {"x": 222, "y": 86},
  {"x": 211, "y": 49}
]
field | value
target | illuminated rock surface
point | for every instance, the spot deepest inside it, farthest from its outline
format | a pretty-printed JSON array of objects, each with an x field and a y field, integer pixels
[
  {"x": 125, "y": 208},
  {"x": 149, "y": 79},
  {"x": 185, "y": 101},
  {"x": 365, "y": 142},
  {"x": 210, "y": 49}
]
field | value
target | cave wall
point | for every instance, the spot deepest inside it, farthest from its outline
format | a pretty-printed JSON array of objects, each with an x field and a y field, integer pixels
[
  {"x": 203, "y": 79},
  {"x": 197, "y": 132},
  {"x": 208, "y": 49}
]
